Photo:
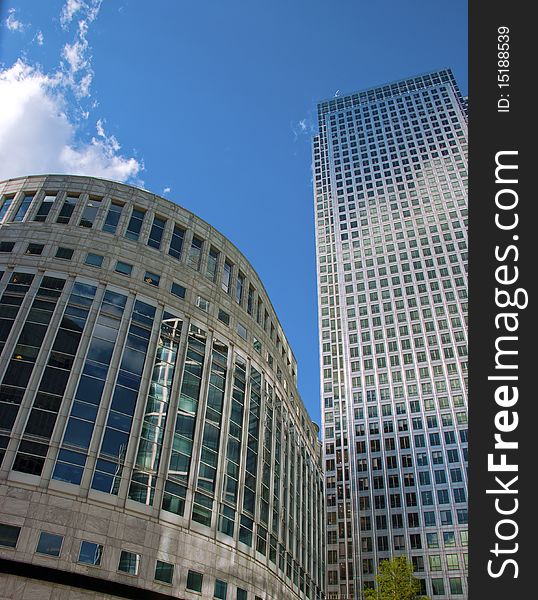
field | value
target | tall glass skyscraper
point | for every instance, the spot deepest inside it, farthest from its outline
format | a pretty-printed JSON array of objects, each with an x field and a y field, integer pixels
[{"x": 390, "y": 176}]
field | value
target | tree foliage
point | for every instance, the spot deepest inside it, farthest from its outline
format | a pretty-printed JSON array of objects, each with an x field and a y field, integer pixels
[{"x": 395, "y": 581}]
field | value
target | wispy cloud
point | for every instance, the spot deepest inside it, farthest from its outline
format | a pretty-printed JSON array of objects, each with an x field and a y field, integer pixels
[
  {"x": 39, "y": 38},
  {"x": 303, "y": 127},
  {"x": 43, "y": 114},
  {"x": 90, "y": 10},
  {"x": 12, "y": 23},
  {"x": 76, "y": 64},
  {"x": 167, "y": 190}
]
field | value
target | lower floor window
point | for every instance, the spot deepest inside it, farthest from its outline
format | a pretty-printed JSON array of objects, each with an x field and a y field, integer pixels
[
  {"x": 221, "y": 589},
  {"x": 164, "y": 572},
  {"x": 194, "y": 581},
  {"x": 129, "y": 562},
  {"x": 49, "y": 544}
]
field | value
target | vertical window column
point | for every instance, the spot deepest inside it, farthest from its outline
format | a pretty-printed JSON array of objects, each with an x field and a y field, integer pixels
[
  {"x": 175, "y": 487},
  {"x": 44, "y": 412},
  {"x": 209, "y": 458},
  {"x": 10, "y": 396},
  {"x": 81, "y": 422},
  {"x": 148, "y": 457},
  {"x": 24, "y": 356},
  {"x": 251, "y": 465},
  {"x": 111, "y": 458},
  {"x": 10, "y": 303},
  {"x": 233, "y": 449},
  {"x": 261, "y": 544}
]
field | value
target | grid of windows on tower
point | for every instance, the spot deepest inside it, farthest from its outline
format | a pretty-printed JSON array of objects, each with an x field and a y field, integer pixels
[{"x": 390, "y": 179}]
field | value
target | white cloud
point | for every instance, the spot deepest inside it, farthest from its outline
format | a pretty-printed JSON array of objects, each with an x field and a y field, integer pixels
[
  {"x": 38, "y": 136},
  {"x": 78, "y": 73},
  {"x": 72, "y": 7},
  {"x": 302, "y": 127},
  {"x": 12, "y": 23},
  {"x": 39, "y": 38},
  {"x": 69, "y": 10},
  {"x": 167, "y": 190},
  {"x": 42, "y": 130}
]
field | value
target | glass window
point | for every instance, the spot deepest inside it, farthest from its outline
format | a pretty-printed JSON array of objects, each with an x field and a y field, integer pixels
[
  {"x": 195, "y": 252},
  {"x": 164, "y": 571},
  {"x": 67, "y": 209},
  {"x": 94, "y": 260},
  {"x": 35, "y": 249},
  {"x": 156, "y": 233},
  {"x": 455, "y": 585},
  {"x": 152, "y": 278},
  {"x": 90, "y": 212},
  {"x": 178, "y": 290},
  {"x": 49, "y": 544},
  {"x": 129, "y": 562},
  {"x": 44, "y": 208},
  {"x": 194, "y": 581},
  {"x": 438, "y": 586},
  {"x": 212, "y": 263},
  {"x": 135, "y": 224},
  {"x": 452, "y": 562},
  {"x": 241, "y": 594},
  {"x": 6, "y": 246},
  {"x": 9, "y": 535},
  {"x": 221, "y": 589},
  {"x": 23, "y": 208},
  {"x": 224, "y": 317},
  {"x": 202, "y": 303},
  {"x": 239, "y": 288},
  {"x": 226, "y": 276},
  {"x": 7, "y": 202},
  {"x": 90, "y": 553},
  {"x": 123, "y": 268},
  {"x": 65, "y": 253},
  {"x": 176, "y": 243},
  {"x": 242, "y": 331},
  {"x": 112, "y": 218}
]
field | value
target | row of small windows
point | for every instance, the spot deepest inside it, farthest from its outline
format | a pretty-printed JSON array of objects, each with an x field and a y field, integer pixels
[
  {"x": 91, "y": 554},
  {"x": 245, "y": 295},
  {"x": 415, "y": 543}
]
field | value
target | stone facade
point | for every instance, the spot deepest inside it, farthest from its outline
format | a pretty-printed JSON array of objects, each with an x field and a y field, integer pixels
[{"x": 154, "y": 443}]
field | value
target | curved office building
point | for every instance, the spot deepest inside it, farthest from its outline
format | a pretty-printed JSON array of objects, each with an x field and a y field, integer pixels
[{"x": 153, "y": 442}]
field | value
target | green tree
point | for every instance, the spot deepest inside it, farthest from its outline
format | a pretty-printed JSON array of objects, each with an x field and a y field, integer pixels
[{"x": 395, "y": 581}]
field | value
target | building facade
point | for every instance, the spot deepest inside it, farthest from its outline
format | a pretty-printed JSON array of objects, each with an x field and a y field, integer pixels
[
  {"x": 390, "y": 178},
  {"x": 153, "y": 441}
]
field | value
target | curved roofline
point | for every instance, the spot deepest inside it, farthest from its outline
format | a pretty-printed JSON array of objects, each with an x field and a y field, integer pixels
[{"x": 128, "y": 185}]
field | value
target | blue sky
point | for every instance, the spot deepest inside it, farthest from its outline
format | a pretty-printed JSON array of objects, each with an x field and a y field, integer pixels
[{"x": 211, "y": 104}]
